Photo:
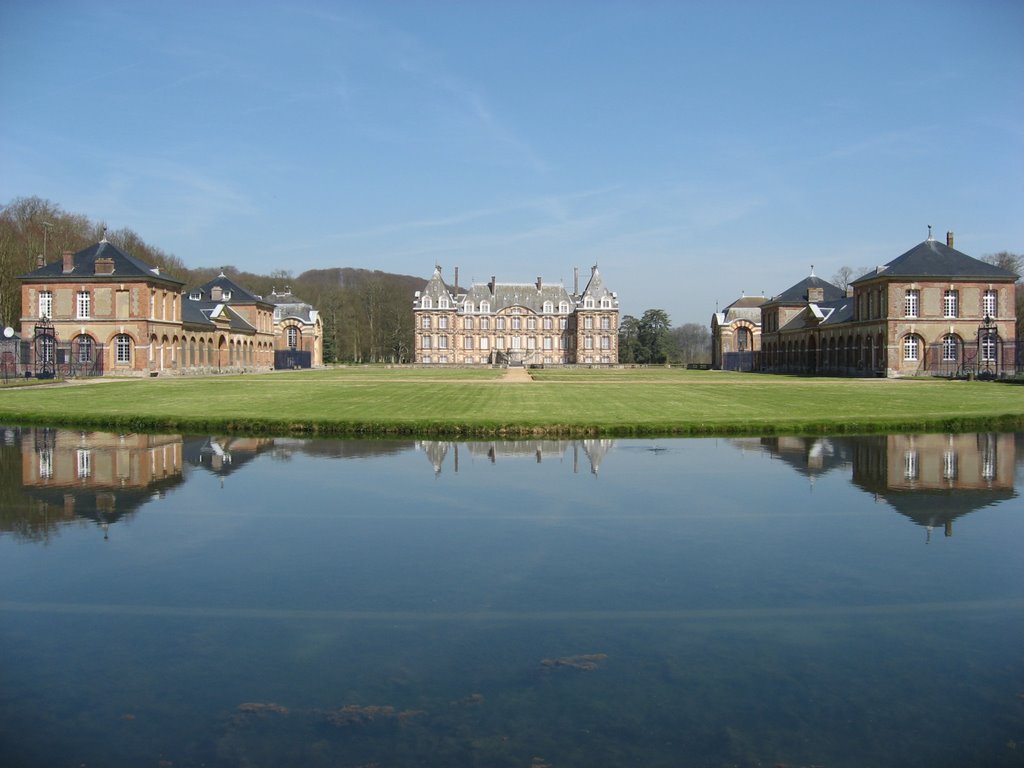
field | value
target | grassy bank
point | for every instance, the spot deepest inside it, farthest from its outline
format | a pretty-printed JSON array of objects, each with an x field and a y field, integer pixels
[{"x": 620, "y": 402}]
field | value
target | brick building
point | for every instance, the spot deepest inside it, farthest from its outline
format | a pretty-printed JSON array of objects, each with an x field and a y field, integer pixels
[
  {"x": 516, "y": 323},
  {"x": 931, "y": 311}
]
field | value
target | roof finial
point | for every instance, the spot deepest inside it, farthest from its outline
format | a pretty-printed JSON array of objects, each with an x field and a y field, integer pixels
[
  {"x": 104, "y": 238},
  {"x": 812, "y": 270},
  {"x": 930, "y": 232}
]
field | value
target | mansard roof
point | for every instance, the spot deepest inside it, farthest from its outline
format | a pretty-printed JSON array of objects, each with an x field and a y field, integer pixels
[
  {"x": 744, "y": 308},
  {"x": 526, "y": 295},
  {"x": 83, "y": 263},
  {"x": 798, "y": 294},
  {"x": 596, "y": 287},
  {"x": 934, "y": 259},
  {"x": 288, "y": 305}
]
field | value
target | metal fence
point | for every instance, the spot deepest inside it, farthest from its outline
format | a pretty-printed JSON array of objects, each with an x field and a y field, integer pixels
[
  {"x": 292, "y": 358},
  {"x": 47, "y": 357}
]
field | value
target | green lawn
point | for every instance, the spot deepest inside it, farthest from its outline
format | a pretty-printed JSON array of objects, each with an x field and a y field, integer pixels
[{"x": 383, "y": 401}]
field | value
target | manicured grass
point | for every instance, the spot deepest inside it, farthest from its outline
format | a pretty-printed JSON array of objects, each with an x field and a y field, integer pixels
[{"x": 389, "y": 401}]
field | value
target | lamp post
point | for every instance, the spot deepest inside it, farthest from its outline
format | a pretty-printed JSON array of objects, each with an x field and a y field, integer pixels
[{"x": 986, "y": 346}]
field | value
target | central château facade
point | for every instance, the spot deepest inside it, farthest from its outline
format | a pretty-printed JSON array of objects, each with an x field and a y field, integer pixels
[{"x": 516, "y": 323}]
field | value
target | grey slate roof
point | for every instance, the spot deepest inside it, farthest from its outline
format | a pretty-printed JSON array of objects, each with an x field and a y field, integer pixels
[
  {"x": 84, "y": 266},
  {"x": 288, "y": 305},
  {"x": 200, "y": 313},
  {"x": 797, "y": 294},
  {"x": 744, "y": 308},
  {"x": 505, "y": 295},
  {"x": 932, "y": 258},
  {"x": 239, "y": 295}
]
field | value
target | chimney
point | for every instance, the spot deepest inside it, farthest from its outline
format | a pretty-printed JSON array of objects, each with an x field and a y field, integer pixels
[
  {"x": 815, "y": 294},
  {"x": 104, "y": 266},
  {"x": 40, "y": 260},
  {"x": 69, "y": 262},
  {"x": 576, "y": 281},
  {"x": 216, "y": 293},
  {"x": 949, "y": 239},
  {"x": 493, "y": 284},
  {"x": 456, "y": 280},
  {"x": 539, "y": 283}
]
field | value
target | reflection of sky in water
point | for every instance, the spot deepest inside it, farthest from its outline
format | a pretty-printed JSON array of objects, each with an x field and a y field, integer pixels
[{"x": 753, "y": 604}]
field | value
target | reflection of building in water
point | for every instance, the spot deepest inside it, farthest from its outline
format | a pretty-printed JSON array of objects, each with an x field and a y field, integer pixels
[
  {"x": 224, "y": 455},
  {"x": 98, "y": 476},
  {"x": 590, "y": 451},
  {"x": 932, "y": 479}
]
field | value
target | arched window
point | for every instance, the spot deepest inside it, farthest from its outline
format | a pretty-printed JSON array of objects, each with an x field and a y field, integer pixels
[
  {"x": 442, "y": 302},
  {"x": 485, "y": 306},
  {"x": 426, "y": 303},
  {"x": 468, "y": 306},
  {"x": 743, "y": 340},
  {"x": 951, "y": 348},
  {"x": 85, "y": 348},
  {"x": 911, "y": 348},
  {"x": 588, "y": 302},
  {"x": 549, "y": 307},
  {"x": 563, "y": 307},
  {"x": 123, "y": 348},
  {"x": 293, "y": 337},
  {"x": 606, "y": 303},
  {"x": 988, "y": 348}
]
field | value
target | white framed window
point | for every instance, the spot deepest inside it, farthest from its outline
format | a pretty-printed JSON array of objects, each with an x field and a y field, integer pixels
[
  {"x": 442, "y": 322},
  {"x": 910, "y": 465},
  {"x": 988, "y": 348},
  {"x": 588, "y": 342},
  {"x": 426, "y": 303},
  {"x": 606, "y": 342},
  {"x": 84, "y": 349},
  {"x": 485, "y": 323},
  {"x": 442, "y": 303},
  {"x": 588, "y": 322},
  {"x": 911, "y": 348},
  {"x": 547, "y": 343},
  {"x": 531, "y": 342},
  {"x": 990, "y": 303},
  {"x": 563, "y": 323},
  {"x": 949, "y": 465},
  {"x": 516, "y": 325},
  {"x": 467, "y": 323},
  {"x": 588, "y": 302},
  {"x": 485, "y": 306},
  {"x": 425, "y": 321},
  {"x": 531, "y": 323},
  {"x": 485, "y": 342},
  {"x": 468, "y": 306},
  {"x": 606, "y": 303},
  {"x": 84, "y": 456},
  {"x": 46, "y": 463},
  {"x": 83, "y": 305},
  {"x": 123, "y": 348},
  {"x": 293, "y": 337},
  {"x": 442, "y": 342},
  {"x": 911, "y": 302},
  {"x": 563, "y": 307},
  {"x": 48, "y": 348},
  {"x": 467, "y": 342},
  {"x": 46, "y": 304},
  {"x": 425, "y": 342},
  {"x": 606, "y": 323},
  {"x": 499, "y": 324},
  {"x": 549, "y": 307},
  {"x": 950, "y": 348},
  {"x": 950, "y": 303}
]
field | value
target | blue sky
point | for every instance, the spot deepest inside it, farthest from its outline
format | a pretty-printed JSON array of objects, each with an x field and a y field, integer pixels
[{"x": 694, "y": 151}]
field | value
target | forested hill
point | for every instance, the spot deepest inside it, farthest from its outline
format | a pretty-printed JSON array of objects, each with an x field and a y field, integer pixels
[{"x": 367, "y": 314}]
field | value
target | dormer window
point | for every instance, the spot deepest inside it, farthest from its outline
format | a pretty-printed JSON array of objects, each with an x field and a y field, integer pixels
[
  {"x": 485, "y": 306},
  {"x": 588, "y": 303},
  {"x": 442, "y": 303},
  {"x": 549, "y": 307},
  {"x": 468, "y": 306},
  {"x": 226, "y": 296},
  {"x": 606, "y": 303},
  {"x": 426, "y": 303},
  {"x": 563, "y": 307},
  {"x": 195, "y": 296}
]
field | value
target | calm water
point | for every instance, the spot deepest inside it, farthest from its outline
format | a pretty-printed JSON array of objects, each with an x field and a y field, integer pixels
[{"x": 172, "y": 601}]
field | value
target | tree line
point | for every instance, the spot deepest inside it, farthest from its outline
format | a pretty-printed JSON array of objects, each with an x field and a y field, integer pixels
[
  {"x": 366, "y": 314},
  {"x": 651, "y": 340}
]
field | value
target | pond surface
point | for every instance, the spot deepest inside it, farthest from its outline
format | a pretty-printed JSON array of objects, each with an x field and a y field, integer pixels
[{"x": 203, "y": 601}]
